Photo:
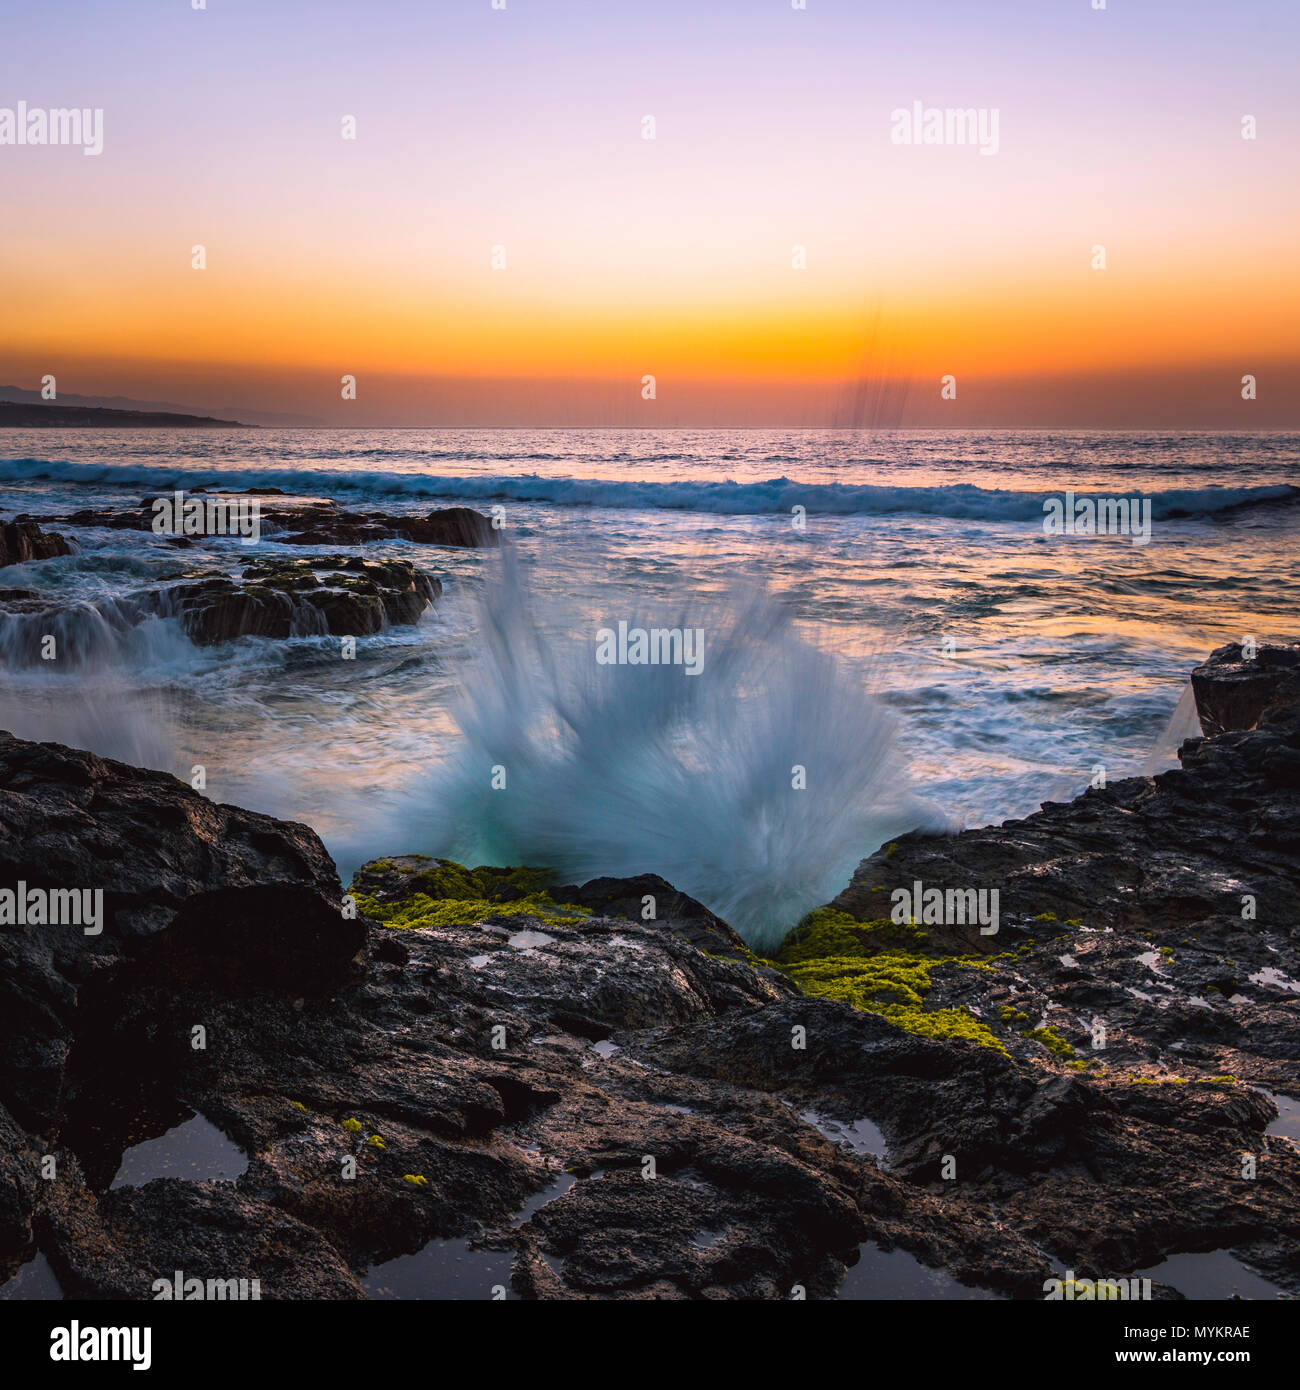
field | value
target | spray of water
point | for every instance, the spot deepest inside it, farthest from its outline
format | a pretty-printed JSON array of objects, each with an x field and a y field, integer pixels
[
  {"x": 71, "y": 675},
  {"x": 756, "y": 786}
]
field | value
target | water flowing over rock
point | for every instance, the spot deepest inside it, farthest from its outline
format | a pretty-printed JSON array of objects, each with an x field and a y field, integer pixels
[{"x": 323, "y": 595}]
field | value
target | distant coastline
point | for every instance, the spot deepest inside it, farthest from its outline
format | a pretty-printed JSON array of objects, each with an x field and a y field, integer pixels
[{"x": 25, "y": 415}]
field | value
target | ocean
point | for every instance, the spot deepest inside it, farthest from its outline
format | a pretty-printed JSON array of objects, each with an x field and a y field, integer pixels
[{"x": 960, "y": 652}]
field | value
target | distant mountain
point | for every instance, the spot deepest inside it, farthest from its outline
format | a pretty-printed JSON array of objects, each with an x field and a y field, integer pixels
[
  {"x": 49, "y": 415},
  {"x": 232, "y": 414}
]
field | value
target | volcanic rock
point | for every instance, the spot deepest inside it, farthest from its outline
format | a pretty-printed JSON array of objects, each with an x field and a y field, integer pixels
[{"x": 21, "y": 541}]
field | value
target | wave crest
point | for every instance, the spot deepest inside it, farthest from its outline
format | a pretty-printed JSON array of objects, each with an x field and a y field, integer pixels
[{"x": 959, "y": 501}]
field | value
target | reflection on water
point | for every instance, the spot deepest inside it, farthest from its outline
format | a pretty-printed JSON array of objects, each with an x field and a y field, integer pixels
[
  {"x": 445, "y": 1270},
  {"x": 1214, "y": 1274},
  {"x": 195, "y": 1151},
  {"x": 894, "y": 1274},
  {"x": 1287, "y": 1124},
  {"x": 861, "y": 1136},
  {"x": 35, "y": 1281}
]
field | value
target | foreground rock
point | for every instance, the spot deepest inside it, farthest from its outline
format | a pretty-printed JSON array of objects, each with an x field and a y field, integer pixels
[{"x": 529, "y": 1086}]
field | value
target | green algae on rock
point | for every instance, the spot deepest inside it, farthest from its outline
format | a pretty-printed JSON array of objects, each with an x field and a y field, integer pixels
[
  {"x": 1051, "y": 1040},
  {"x": 879, "y": 966},
  {"x": 417, "y": 891}
]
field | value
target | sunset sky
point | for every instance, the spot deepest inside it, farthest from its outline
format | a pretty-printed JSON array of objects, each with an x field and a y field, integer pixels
[{"x": 522, "y": 128}]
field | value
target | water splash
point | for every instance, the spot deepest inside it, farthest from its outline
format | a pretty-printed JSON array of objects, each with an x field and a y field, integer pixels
[
  {"x": 1184, "y": 723},
  {"x": 628, "y": 769}
]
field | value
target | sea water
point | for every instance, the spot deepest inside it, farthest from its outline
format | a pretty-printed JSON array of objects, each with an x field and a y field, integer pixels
[{"x": 883, "y": 610}]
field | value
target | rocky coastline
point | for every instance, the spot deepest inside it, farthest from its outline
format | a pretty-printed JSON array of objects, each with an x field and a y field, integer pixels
[
  {"x": 477, "y": 1083},
  {"x": 220, "y": 596}
]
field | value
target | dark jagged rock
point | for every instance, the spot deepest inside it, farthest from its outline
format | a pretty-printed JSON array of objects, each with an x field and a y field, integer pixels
[
  {"x": 448, "y": 526},
  {"x": 1233, "y": 692},
  {"x": 18, "y": 1178},
  {"x": 336, "y": 595},
  {"x": 342, "y": 595},
  {"x": 21, "y": 541},
  {"x": 294, "y": 520},
  {"x": 190, "y": 889},
  {"x": 1160, "y": 852},
  {"x": 634, "y": 897},
  {"x": 618, "y": 1114},
  {"x": 119, "y": 1245}
]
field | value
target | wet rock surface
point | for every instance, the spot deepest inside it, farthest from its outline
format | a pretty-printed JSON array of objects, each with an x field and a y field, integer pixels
[
  {"x": 23, "y": 541},
  {"x": 621, "y": 1114},
  {"x": 293, "y": 520},
  {"x": 339, "y": 595},
  {"x": 322, "y": 595}
]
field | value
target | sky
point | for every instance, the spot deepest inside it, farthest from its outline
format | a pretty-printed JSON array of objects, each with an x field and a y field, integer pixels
[{"x": 522, "y": 128}]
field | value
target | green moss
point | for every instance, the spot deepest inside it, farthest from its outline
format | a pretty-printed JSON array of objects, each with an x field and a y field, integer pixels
[
  {"x": 827, "y": 932},
  {"x": 880, "y": 966},
  {"x": 1010, "y": 1015},
  {"x": 1226, "y": 1079},
  {"x": 1051, "y": 1040},
  {"x": 1046, "y": 917},
  {"x": 423, "y": 911},
  {"x": 891, "y": 849},
  {"x": 448, "y": 880},
  {"x": 449, "y": 895}
]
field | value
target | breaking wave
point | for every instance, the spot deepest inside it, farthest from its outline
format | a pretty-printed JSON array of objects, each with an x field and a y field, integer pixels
[
  {"x": 755, "y": 786},
  {"x": 726, "y": 497}
]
